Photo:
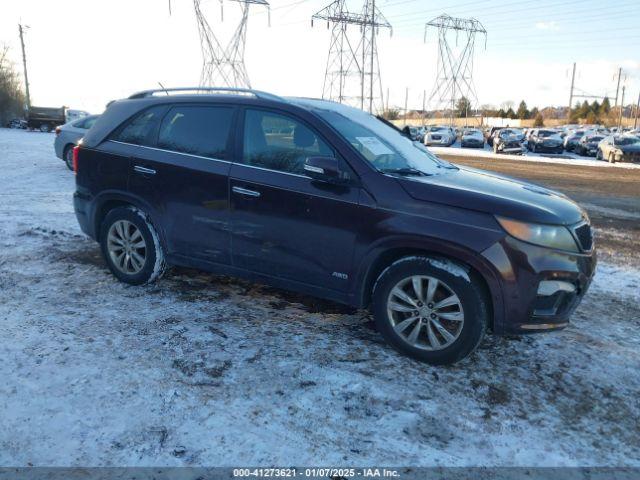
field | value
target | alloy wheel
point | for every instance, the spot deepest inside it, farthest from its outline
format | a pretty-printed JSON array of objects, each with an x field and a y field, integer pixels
[
  {"x": 126, "y": 247},
  {"x": 425, "y": 312}
]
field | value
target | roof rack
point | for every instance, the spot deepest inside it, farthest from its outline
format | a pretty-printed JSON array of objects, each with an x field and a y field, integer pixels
[{"x": 256, "y": 93}]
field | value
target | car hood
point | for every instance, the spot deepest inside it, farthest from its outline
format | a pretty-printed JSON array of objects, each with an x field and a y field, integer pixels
[{"x": 495, "y": 194}]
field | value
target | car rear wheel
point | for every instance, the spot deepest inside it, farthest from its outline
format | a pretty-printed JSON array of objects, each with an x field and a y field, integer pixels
[
  {"x": 68, "y": 156},
  {"x": 429, "y": 309},
  {"x": 131, "y": 246}
]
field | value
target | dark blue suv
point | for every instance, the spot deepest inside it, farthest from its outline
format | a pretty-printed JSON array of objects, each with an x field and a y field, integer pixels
[{"x": 324, "y": 199}]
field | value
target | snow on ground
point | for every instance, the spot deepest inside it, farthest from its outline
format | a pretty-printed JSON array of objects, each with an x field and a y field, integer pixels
[
  {"x": 569, "y": 158},
  {"x": 204, "y": 370}
]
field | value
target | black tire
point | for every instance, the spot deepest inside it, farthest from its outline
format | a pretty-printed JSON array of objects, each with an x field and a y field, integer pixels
[
  {"x": 459, "y": 281},
  {"x": 67, "y": 155},
  {"x": 533, "y": 148},
  {"x": 45, "y": 128},
  {"x": 154, "y": 263}
]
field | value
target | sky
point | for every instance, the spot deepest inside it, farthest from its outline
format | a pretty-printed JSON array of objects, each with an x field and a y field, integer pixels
[{"x": 84, "y": 53}]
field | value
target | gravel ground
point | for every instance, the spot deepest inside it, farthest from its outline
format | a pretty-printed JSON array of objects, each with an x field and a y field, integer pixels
[{"x": 205, "y": 370}]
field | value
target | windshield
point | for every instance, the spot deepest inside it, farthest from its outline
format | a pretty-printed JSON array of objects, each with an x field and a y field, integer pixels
[
  {"x": 546, "y": 133},
  {"x": 471, "y": 132},
  {"x": 626, "y": 140},
  {"x": 383, "y": 146},
  {"x": 594, "y": 138}
]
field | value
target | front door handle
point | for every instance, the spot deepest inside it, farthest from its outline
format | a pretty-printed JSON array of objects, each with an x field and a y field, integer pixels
[
  {"x": 246, "y": 192},
  {"x": 144, "y": 170}
]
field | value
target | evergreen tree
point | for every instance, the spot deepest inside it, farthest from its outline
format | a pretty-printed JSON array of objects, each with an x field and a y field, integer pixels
[
  {"x": 605, "y": 107},
  {"x": 584, "y": 109},
  {"x": 463, "y": 107},
  {"x": 511, "y": 114},
  {"x": 539, "y": 121},
  {"x": 523, "y": 111}
]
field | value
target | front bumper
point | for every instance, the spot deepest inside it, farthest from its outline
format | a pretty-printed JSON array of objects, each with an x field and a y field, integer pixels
[
  {"x": 541, "y": 147},
  {"x": 444, "y": 141},
  {"x": 627, "y": 157},
  {"x": 541, "y": 287}
]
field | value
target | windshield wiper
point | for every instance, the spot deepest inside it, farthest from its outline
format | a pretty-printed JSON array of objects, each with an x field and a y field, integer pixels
[{"x": 408, "y": 171}]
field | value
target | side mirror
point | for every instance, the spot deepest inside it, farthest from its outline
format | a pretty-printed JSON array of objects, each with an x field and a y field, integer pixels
[{"x": 322, "y": 168}]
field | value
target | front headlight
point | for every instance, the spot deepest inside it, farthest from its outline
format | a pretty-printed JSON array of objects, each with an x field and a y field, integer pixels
[{"x": 552, "y": 236}]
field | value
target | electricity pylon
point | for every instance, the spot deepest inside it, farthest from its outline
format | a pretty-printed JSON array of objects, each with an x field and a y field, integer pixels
[
  {"x": 224, "y": 66},
  {"x": 352, "y": 75},
  {"x": 454, "y": 77}
]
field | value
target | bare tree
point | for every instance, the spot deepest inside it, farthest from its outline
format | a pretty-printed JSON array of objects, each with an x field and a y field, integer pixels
[{"x": 11, "y": 94}]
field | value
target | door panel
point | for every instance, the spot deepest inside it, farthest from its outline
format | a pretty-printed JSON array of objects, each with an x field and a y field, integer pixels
[
  {"x": 191, "y": 195},
  {"x": 294, "y": 228}
]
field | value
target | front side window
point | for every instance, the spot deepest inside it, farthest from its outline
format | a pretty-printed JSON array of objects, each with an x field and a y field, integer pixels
[
  {"x": 382, "y": 146},
  {"x": 196, "y": 130},
  {"x": 279, "y": 142},
  {"x": 139, "y": 130}
]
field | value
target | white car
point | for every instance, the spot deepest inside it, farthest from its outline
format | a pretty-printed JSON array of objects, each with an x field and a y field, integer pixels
[{"x": 440, "y": 137}]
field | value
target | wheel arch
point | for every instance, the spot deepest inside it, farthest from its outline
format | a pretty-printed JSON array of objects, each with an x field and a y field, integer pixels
[
  {"x": 478, "y": 268},
  {"x": 110, "y": 200}
]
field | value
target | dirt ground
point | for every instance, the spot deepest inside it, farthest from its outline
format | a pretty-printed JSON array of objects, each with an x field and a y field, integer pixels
[{"x": 611, "y": 196}]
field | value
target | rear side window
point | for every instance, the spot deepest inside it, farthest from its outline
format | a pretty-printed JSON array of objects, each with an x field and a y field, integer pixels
[
  {"x": 197, "y": 130},
  {"x": 139, "y": 130}
]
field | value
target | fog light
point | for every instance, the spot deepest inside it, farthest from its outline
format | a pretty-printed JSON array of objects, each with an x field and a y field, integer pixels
[{"x": 550, "y": 287}]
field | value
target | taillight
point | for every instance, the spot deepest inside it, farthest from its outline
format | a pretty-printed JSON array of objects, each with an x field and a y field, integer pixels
[
  {"x": 76, "y": 152},
  {"x": 57, "y": 130}
]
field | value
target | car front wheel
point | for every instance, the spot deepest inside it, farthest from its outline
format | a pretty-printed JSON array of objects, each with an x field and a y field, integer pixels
[
  {"x": 430, "y": 309},
  {"x": 131, "y": 246}
]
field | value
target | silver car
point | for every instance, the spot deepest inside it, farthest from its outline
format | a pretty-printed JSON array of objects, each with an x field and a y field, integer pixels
[
  {"x": 68, "y": 136},
  {"x": 440, "y": 137}
]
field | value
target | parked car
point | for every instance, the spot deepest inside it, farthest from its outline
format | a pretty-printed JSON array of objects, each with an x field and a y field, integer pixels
[
  {"x": 45, "y": 119},
  {"x": 414, "y": 133},
  {"x": 68, "y": 136},
  {"x": 572, "y": 139},
  {"x": 508, "y": 140},
  {"x": 17, "y": 123},
  {"x": 472, "y": 137},
  {"x": 545, "y": 140},
  {"x": 493, "y": 131},
  {"x": 440, "y": 136},
  {"x": 619, "y": 148},
  {"x": 588, "y": 145},
  {"x": 345, "y": 208}
]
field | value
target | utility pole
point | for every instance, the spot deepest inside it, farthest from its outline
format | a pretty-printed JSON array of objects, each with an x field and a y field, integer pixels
[
  {"x": 406, "y": 101},
  {"x": 373, "y": 49},
  {"x": 24, "y": 63},
  {"x": 618, "y": 87},
  {"x": 573, "y": 79},
  {"x": 387, "y": 99},
  {"x": 621, "y": 110},
  {"x": 635, "y": 122}
]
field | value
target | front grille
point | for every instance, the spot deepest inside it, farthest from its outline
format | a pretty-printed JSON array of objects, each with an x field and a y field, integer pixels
[{"x": 584, "y": 234}]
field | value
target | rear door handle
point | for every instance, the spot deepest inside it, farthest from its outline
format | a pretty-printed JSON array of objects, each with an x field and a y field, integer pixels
[
  {"x": 144, "y": 170},
  {"x": 246, "y": 192}
]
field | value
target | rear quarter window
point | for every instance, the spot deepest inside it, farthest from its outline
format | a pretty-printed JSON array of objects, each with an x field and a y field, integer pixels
[{"x": 139, "y": 129}]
